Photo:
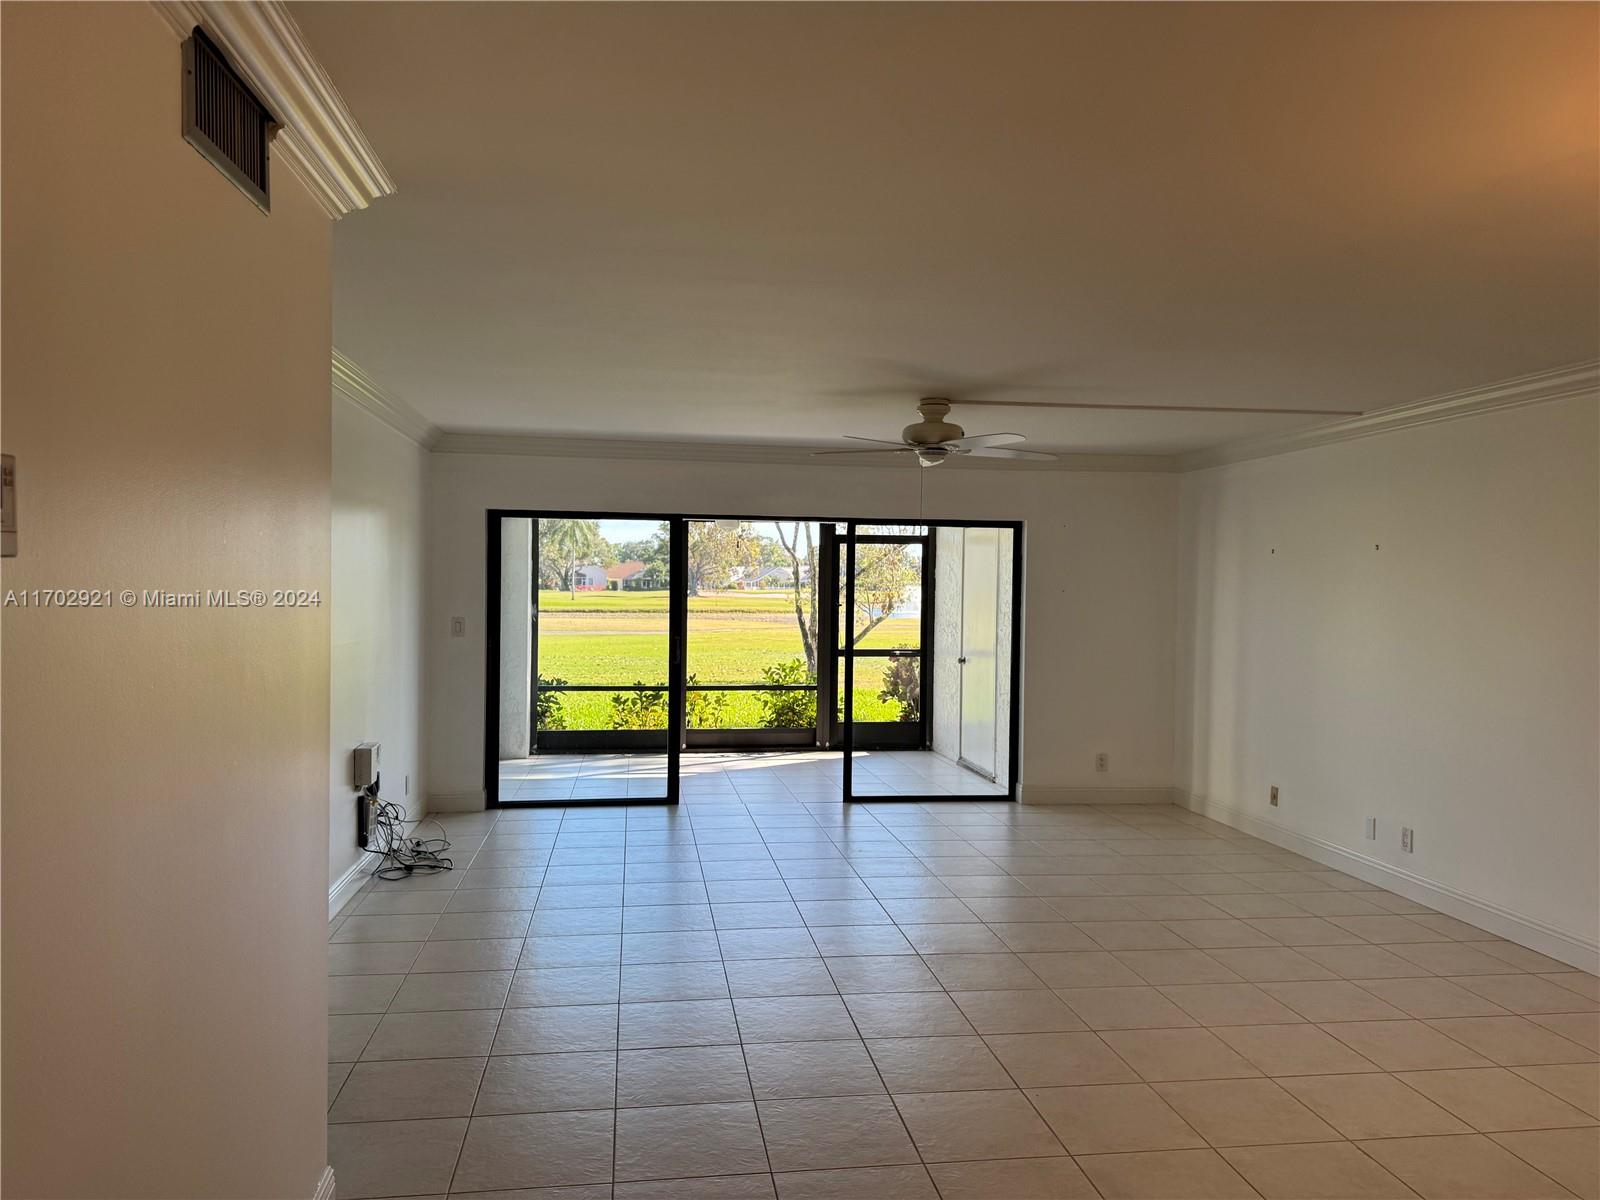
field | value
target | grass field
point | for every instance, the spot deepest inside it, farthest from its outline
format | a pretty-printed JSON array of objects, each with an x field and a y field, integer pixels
[
  {"x": 621, "y": 638},
  {"x": 606, "y": 602}
]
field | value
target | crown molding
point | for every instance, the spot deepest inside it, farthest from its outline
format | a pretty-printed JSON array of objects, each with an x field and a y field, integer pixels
[
  {"x": 1562, "y": 383},
  {"x": 320, "y": 141},
  {"x": 460, "y": 441},
  {"x": 355, "y": 385},
  {"x": 1582, "y": 379}
]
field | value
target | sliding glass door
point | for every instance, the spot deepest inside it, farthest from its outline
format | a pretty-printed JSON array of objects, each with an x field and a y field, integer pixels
[
  {"x": 752, "y": 635},
  {"x": 589, "y": 690},
  {"x": 791, "y": 659}
]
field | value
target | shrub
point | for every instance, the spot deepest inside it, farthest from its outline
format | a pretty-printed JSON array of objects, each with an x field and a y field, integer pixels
[
  {"x": 648, "y": 709},
  {"x": 705, "y": 710},
  {"x": 547, "y": 711},
  {"x": 788, "y": 710},
  {"x": 639, "y": 710},
  {"x": 903, "y": 682}
]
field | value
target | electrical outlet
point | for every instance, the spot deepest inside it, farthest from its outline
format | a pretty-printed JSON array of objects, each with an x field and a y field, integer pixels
[
  {"x": 408, "y": 783},
  {"x": 1405, "y": 838},
  {"x": 1372, "y": 829},
  {"x": 1273, "y": 799},
  {"x": 1102, "y": 762},
  {"x": 458, "y": 627}
]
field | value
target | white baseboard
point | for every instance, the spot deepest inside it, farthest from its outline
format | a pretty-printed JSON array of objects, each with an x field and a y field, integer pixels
[
  {"x": 1036, "y": 794},
  {"x": 324, "y": 1186},
  {"x": 345, "y": 887},
  {"x": 1526, "y": 931},
  {"x": 448, "y": 802}
]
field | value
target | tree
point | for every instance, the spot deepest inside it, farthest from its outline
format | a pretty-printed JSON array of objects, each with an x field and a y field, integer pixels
[
  {"x": 549, "y": 573},
  {"x": 716, "y": 552},
  {"x": 651, "y": 551},
  {"x": 886, "y": 573},
  {"x": 770, "y": 553},
  {"x": 803, "y": 587},
  {"x": 570, "y": 544}
]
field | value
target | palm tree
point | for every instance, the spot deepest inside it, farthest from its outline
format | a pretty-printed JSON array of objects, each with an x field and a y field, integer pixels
[{"x": 571, "y": 544}]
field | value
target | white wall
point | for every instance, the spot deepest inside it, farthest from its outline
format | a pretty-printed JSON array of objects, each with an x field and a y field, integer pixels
[
  {"x": 166, "y": 351},
  {"x": 379, "y": 481},
  {"x": 1446, "y": 681},
  {"x": 1099, "y": 588}
]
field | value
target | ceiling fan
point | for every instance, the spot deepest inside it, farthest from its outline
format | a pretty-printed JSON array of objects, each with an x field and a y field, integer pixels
[{"x": 933, "y": 439}]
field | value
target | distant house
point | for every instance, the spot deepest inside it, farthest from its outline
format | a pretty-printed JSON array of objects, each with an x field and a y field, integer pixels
[
  {"x": 618, "y": 574},
  {"x": 769, "y": 577},
  {"x": 634, "y": 576},
  {"x": 589, "y": 579}
]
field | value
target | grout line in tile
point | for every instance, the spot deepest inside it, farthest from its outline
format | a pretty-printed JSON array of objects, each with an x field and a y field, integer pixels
[{"x": 930, "y": 835}]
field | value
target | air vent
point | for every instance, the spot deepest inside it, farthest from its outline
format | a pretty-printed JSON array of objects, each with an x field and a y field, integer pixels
[{"x": 224, "y": 119}]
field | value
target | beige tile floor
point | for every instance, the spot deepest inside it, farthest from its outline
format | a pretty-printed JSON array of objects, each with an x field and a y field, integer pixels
[{"x": 761, "y": 995}]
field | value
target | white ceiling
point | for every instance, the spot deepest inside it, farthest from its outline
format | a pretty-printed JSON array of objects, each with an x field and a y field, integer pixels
[{"x": 782, "y": 223}]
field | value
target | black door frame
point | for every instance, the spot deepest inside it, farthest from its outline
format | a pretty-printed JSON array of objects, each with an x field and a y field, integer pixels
[
  {"x": 773, "y": 740},
  {"x": 1014, "y": 732},
  {"x": 885, "y": 735},
  {"x": 677, "y": 626},
  {"x": 677, "y": 616}
]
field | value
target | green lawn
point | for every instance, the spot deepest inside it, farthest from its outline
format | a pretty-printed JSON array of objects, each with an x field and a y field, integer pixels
[
  {"x": 621, "y": 638},
  {"x": 757, "y": 601}
]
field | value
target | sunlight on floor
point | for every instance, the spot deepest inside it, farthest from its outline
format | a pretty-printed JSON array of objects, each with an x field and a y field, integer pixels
[{"x": 800, "y": 775}]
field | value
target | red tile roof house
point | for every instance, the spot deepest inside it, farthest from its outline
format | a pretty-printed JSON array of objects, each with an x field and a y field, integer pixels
[{"x": 628, "y": 576}]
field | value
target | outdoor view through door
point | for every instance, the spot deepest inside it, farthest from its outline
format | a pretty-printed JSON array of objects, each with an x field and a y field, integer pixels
[{"x": 638, "y": 657}]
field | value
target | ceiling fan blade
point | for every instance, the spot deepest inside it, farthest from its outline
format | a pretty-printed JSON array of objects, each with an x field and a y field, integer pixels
[
  {"x": 874, "y": 450},
  {"x": 997, "y": 452},
  {"x": 876, "y": 441},
  {"x": 979, "y": 440},
  {"x": 1205, "y": 408}
]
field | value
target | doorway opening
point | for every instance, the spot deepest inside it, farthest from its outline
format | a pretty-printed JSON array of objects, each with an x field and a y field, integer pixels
[{"x": 637, "y": 658}]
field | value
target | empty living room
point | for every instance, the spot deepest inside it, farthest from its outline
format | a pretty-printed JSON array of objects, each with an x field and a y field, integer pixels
[{"x": 799, "y": 601}]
